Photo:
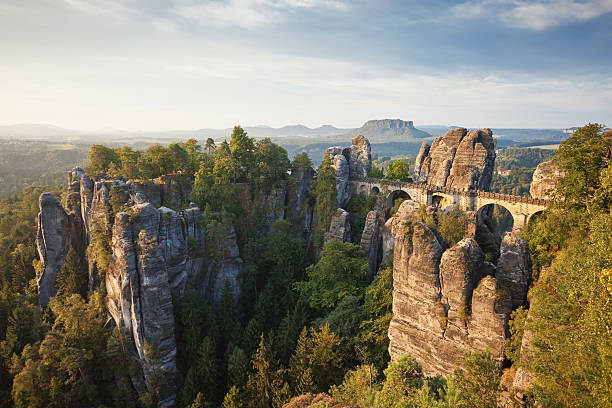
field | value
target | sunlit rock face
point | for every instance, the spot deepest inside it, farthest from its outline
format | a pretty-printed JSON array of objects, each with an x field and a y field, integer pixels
[
  {"x": 545, "y": 180},
  {"x": 448, "y": 301},
  {"x": 459, "y": 159},
  {"x": 354, "y": 161}
]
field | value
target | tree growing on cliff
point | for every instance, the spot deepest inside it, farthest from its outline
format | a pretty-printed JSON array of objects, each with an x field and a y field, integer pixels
[
  {"x": 478, "y": 381},
  {"x": 101, "y": 158},
  {"x": 341, "y": 271},
  {"x": 326, "y": 193},
  {"x": 72, "y": 277},
  {"x": 398, "y": 170}
]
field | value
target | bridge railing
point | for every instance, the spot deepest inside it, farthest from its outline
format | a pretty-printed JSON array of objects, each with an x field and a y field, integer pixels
[{"x": 454, "y": 191}]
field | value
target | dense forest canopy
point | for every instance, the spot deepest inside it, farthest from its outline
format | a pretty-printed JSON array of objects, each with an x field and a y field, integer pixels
[{"x": 308, "y": 321}]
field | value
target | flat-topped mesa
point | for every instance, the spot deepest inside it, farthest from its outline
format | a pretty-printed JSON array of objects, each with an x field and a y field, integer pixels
[
  {"x": 459, "y": 159},
  {"x": 353, "y": 162}
]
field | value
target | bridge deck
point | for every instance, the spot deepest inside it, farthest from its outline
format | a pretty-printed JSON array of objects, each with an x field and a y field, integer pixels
[{"x": 454, "y": 191}]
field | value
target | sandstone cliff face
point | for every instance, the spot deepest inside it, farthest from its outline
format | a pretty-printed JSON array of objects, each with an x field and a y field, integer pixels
[
  {"x": 514, "y": 268},
  {"x": 545, "y": 179},
  {"x": 157, "y": 253},
  {"x": 340, "y": 227},
  {"x": 53, "y": 241},
  {"x": 370, "y": 241},
  {"x": 446, "y": 301},
  {"x": 359, "y": 157},
  {"x": 354, "y": 161},
  {"x": 299, "y": 208},
  {"x": 340, "y": 164},
  {"x": 459, "y": 159}
]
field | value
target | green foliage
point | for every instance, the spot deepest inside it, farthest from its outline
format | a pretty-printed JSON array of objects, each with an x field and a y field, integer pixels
[
  {"x": 301, "y": 160},
  {"x": 233, "y": 399},
  {"x": 377, "y": 310},
  {"x": 341, "y": 271},
  {"x": 521, "y": 163},
  {"x": 326, "y": 193},
  {"x": 117, "y": 197},
  {"x": 396, "y": 205},
  {"x": 398, "y": 170},
  {"x": 72, "y": 277},
  {"x": 516, "y": 324},
  {"x": 203, "y": 376},
  {"x": 478, "y": 381},
  {"x": 259, "y": 384},
  {"x": 101, "y": 158},
  {"x": 375, "y": 172},
  {"x": 316, "y": 363},
  {"x": 452, "y": 225},
  {"x": 402, "y": 380},
  {"x": 358, "y": 208},
  {"x": 357, "y": 387}
]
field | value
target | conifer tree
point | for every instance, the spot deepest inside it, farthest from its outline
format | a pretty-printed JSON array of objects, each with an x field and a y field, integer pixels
[
  {"x": 259, "y": 384},
  {"x": 72, "y": 277}
]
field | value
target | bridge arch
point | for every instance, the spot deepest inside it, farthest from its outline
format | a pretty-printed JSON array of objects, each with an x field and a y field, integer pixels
[
  {"x": 532, "y": 217},
  {"x": 374, "y": 191},
  {"x": 441, "y": 200},
  {"x": 392, "y": 197},
  {"x": 504, "y": 218}
]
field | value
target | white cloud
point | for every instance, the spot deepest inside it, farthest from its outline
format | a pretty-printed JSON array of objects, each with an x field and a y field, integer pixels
[
  {"x": 249, "y": 13},
  {"x": 542, "y": 15},
  {"x": 532, "y": 15}
]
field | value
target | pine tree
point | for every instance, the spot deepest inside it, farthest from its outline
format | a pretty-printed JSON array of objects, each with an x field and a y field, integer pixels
[
  {"x": 326, "y": 193},
  {"x": 72, "y": 277},
  {"x": 233, "y": 399},
  {"x": 203, "y": 375},
  {"x": 300, "y": 369},
  {"x": 259, "y": 384}
]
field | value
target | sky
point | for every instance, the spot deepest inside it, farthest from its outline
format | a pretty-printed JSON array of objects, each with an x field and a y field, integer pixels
[{"x": 190, "y": 64}]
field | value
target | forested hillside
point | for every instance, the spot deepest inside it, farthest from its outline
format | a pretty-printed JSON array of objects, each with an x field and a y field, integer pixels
[{"x": 301, "y": 322}]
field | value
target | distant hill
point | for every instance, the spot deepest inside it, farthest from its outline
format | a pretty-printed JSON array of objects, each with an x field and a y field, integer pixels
[{"x": 390, "y": 130}]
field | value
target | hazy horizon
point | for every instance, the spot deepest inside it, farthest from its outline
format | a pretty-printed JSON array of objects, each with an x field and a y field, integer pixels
[{"x": 161, "y": 66}]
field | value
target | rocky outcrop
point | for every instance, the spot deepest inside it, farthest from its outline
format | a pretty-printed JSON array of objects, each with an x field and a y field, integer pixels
[
  {"x": 359, "y": 157},
  {"x": 150, "y": 254},
  {"x": 354, "y": 161},
  {"x": 514, "y": 268},
  {"x": 139, "y": 296},
  {"x": 341, "y": 166},
  {"x": 545, "y": 179},
  {"x": 370, "y": 241},
  {"x": 459, "y": 159},
  {"x": 53, "y": 241},
  {"x": 446, "y": 301},
  {"x": 340, "y": 227},
  {"x": 299, "y": 208}
]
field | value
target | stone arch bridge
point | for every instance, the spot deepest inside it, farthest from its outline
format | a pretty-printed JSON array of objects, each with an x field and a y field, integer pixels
[{"x": 522, "y": 208}]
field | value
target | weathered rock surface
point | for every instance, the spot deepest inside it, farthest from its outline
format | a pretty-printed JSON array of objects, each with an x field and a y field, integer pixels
[
  {"x": 370, "y": 241},
  {"x": 340, "y": 227},
  {"x": 53, "y": 241},
  {"x": 156, "y": 253},
  {"x": 139, "y": 295},
  {"x": 341, "y": 165},
  {"x": 514, "y": 268},
  {"x": 445, "y": 302},
  {"x": 299, "y": 209},
  {"x": 359, "y": 157},
  {"x": 545, "y": 179},
  {"x": 354, "y": 161},
  {"x": 459, "y": 159}
]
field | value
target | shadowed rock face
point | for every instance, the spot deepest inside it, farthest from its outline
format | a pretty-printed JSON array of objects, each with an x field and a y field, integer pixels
[
  {"x": 545, "y": 179},
  {"x": 298, "y": 206},
  {"x": 445, "y": 301},
  {"x": 157, "y": 253},
  {"x": 370, "y": 241},
  {"x": 53, "y": 241},
  {"x": 459, "y": 159},
  {"x": 514, "y": 268},
  {"x": 340, "y": 227}
]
